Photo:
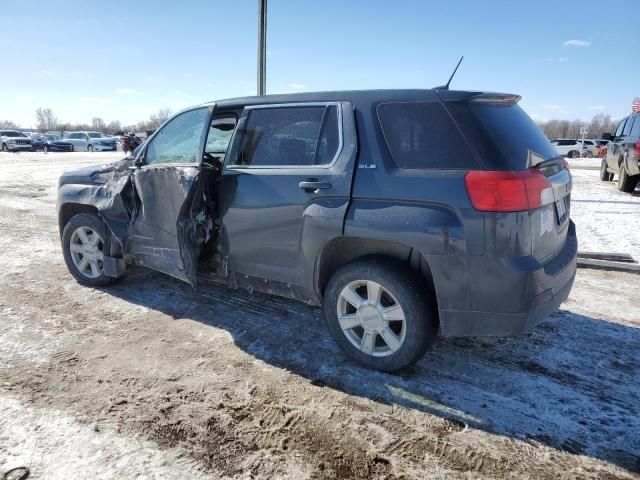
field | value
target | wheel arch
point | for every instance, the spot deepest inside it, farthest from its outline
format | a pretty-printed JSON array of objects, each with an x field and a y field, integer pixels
[
  {"x": 68, "y": 210},
  {"x": 340, "y": 251}
]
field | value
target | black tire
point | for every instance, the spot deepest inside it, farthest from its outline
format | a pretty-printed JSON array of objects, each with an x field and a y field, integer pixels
[
  {"x": 411, "y": 293},
  {"x": 89, "y": 148},
  {"x": 93, "y": 222},
  {"x": 4, "y": 147},
  {"x": 605, "y": 176},
  {"x": 574, "y": 154},
  {"x": 45, "y": 149},
  {"x": 626, "y": 183}
]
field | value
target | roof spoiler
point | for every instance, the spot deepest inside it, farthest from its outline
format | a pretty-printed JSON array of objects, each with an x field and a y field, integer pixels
[{"x": 495, "y": 98}]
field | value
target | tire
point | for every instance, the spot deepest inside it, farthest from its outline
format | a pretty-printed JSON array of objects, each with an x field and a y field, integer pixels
[
  {"x": 410, "y": 337},
  {"x": 626, "y": 183},
  {"x": 574, "y": 154},
  {"x": 605, "y": 176},
  {"x": 73, "y": 148},
  {"x": 91, "y": 224},
  {"x": 4, "y": 147},
  {"x": 89, "y": 148},
  {"x": 589, "y": 154},
  {"x": 45, "y": 149}
]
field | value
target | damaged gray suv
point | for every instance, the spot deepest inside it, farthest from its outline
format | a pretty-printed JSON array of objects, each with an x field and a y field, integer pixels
[{"x": 406, "y": 214}]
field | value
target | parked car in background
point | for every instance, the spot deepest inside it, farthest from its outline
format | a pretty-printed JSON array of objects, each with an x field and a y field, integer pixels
[
  {"x": 91, "y": 142},
  {"x": 14, "y": 141},
  {"x": 52, "y": 143},
  {"x": 567, "y": 147},
  {"x": 601, "y": 144},
  {"x": 623, "y": 155},
  {"x": 589, "y": 147},
  {"x": 407, "y": 214}
]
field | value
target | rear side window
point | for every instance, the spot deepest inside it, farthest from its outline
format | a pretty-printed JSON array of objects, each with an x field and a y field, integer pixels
[
  {"x": 422, "y": 135},
  {"x": 627, "y": 127},
  {"x": 289, "y": 136},
  {"x": 504, "y": 136},
  {"x": 620, "y": 127}
]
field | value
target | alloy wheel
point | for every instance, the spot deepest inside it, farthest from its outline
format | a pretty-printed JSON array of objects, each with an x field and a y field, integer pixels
[
  {"x": 87, "y": 252},
  {"x": 371, "y": 318}
]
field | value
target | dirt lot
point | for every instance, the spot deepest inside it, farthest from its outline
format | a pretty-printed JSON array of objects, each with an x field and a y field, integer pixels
[{"x": 149, "y": 379}]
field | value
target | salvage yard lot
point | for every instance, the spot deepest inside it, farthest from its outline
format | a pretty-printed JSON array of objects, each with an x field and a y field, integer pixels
[{"x": 152, "y": 378}]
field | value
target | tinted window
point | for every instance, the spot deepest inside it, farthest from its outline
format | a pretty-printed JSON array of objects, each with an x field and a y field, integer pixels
[
  {"x": 281, "y": 136},
  {"x": 220, "y": 132},
  {"x": 620, "y": 127},
  {"x": 627, "y": 127},
  {"x": 422, "y": 135},
  {"x": 504, "y": 136},
  {"x": 635, "y": 131},
  {"x": 179, "y": 140}
]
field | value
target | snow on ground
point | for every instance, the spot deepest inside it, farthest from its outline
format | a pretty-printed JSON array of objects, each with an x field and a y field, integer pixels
[{"x": 607, "y": 220}]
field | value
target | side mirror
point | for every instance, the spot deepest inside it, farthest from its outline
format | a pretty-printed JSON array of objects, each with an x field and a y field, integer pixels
[{"x": 607, "y": 136}]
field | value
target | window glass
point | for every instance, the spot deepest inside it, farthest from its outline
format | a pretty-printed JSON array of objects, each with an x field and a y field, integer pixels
[
  {"x": 179, "y": 140},
  {"x": 627, "y": 127},
  {"x": 620, "y": 127},
  {"x": 289, "y": 136},
  {"x": 220, "y": 132},
  {"x": 422, "y": 135},
  {"x": 635, "y": 130}
]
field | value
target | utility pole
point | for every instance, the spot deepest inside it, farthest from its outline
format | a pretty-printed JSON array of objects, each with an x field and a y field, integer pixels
[{"x": 262, "y": 47}]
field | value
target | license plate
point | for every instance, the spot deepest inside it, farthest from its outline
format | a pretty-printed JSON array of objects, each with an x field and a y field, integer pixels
[{"x": 561, "y": 210}]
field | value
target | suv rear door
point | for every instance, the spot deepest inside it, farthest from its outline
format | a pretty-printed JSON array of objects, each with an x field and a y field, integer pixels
[
  {"x": 614, "y": 148},
  {"x": 286, "y": 187}
]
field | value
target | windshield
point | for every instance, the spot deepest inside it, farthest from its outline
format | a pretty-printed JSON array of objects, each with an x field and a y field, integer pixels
[
  {"x": 11, "y": 133},
  {"x": 51, "y": 137},
  {"x": 95, "y": 135}
]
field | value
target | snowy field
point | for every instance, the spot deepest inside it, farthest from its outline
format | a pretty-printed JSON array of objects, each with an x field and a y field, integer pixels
[{"x": 150, "y": 379}]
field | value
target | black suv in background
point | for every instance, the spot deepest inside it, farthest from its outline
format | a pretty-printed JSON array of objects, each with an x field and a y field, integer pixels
[
  {"x": 623, "y": 154},
  {"x": 404, "y": 213}
]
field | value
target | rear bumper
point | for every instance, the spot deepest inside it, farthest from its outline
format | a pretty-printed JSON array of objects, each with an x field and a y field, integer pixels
[{"x": 546, "y": 288}]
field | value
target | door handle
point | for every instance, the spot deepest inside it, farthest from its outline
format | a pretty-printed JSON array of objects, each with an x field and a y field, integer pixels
[{"x": 312, "y": 185}]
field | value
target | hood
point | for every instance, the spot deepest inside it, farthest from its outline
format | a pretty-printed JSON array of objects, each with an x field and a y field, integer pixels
[
  {"x": 57, "y": 142},
  {"x": 95, "y": 174}
]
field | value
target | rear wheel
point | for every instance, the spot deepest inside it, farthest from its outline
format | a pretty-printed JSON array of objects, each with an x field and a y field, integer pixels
[
  {"x": 605, "y": 176},
  {"x": 379, "y": 312},
  {"x": 46, "y": 149},
  {"x": 626, "y": 183},
  {"x": 85, "y": 242},
  {"x": 4, "y": 147},
  {"x": 89, "y": 148},
  {"x": 574, "y": 154}
]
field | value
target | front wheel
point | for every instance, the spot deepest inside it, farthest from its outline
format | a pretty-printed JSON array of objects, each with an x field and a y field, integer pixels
[
  {"x": 4, "y": 147},
  {"x": 85, "y": 242},
  {"x": 605, "y": 176},
  {"x": 380, "y": 313},
  {"x": 626, "y": 183},
  {"x": 89, "y": 148},
  {"x": 46, "y": 149}
]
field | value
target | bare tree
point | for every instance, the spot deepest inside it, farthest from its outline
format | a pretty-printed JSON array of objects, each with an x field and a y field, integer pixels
[
  {"x": 98, "y": 124},
  {"x": 8, "y": 124},
  {"x": 598, "y": 125},
  {"x": 114, "y": 127},
  {"x": 46, "y": 120},
  {"x": 158, "y": 118}
]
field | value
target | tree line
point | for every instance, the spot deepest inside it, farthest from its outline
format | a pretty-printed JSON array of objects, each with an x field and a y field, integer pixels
[
  {"x": 47, "y": 121},
  {"x": 598, "y": 125}
]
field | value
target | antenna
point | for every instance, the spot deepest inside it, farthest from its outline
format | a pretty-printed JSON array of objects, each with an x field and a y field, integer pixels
[{"x": 446, "y": 87}]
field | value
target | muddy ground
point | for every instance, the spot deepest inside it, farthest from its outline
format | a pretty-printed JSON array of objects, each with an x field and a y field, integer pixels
[{"x": 150, "y": 379}]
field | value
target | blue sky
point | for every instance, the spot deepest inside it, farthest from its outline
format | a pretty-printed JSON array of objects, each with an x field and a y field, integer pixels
[{"x": 127, "y": 59}]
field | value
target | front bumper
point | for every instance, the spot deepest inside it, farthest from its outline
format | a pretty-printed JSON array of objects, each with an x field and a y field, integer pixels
[
  {"x": 19, "y": 148},
  {"x": 551, "y": 284},
  {"x": 104, "y": 148}
]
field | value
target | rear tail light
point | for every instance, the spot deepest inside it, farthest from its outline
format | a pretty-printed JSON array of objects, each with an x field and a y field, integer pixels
[{"x": 507, "y": 191}]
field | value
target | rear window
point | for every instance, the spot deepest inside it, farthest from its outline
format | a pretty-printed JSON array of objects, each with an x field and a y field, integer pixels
[
  {"x": 422, "y": 135},
  {"x": 504, "y": 136}
]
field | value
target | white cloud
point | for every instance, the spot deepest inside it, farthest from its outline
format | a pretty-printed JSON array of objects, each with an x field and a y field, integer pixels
[
  {"x": 576, "y": 43},
  {"x": 296, "y": 86},
  {"x": 127, "y": 91},
  {"x": 597, "y": 107},
  {"x": 557, "y": 59}
]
